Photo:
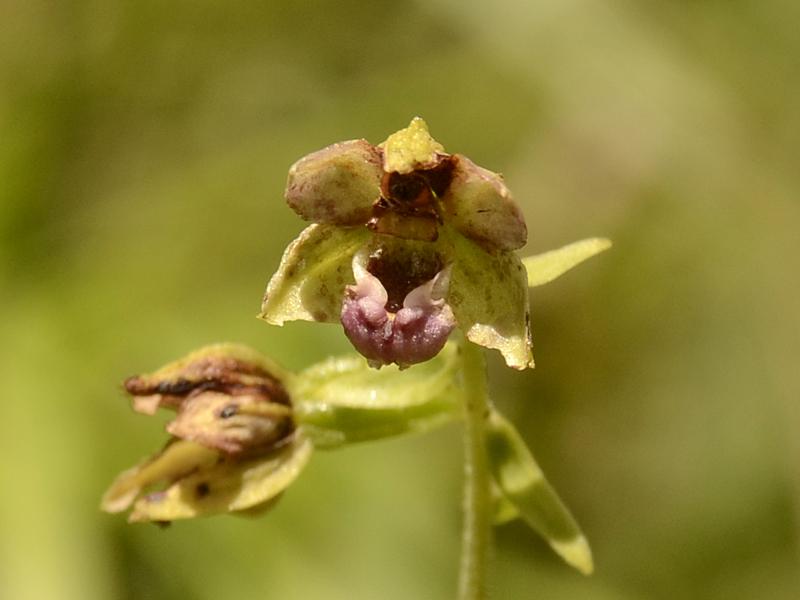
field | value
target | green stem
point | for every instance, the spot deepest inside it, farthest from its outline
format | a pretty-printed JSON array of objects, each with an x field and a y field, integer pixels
[{"x": 477, "y": 530}]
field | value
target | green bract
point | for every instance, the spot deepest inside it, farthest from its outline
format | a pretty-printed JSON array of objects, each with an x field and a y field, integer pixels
[
  {"x": 341, "y": 400},
  {"x": 523, "y": 485},
  {"x": 544, "y": 268}
]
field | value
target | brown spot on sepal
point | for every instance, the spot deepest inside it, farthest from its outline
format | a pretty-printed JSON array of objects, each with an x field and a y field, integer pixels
[{"x": 202, "y": 489}]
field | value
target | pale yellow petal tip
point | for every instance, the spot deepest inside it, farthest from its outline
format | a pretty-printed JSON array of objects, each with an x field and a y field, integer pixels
[
  {"x": 410, "y": 148},
  {"x": 576, "y": 553},
  {"x": 544, "y": 268},
  {"x": 114, "y": 502},
  {"x": 598, "y": 245},
  {"x": 266, "y": 316}
]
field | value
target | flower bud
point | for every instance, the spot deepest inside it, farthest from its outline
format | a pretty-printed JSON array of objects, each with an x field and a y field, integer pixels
[
  {"x": 479, "y": 205},
  {"x": 337, "y": 184},
  {"x": 235, "y": 442},
  {"x": 246, "y": 422},
  {"x": 226, "y": 397}
]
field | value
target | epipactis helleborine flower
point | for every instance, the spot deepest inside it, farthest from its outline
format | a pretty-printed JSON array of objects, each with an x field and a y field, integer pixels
[{"x": 408, "y": 242}]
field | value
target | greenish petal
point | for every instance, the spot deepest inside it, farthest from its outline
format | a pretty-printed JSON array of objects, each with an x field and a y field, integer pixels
[
  {"x": 544, "y": 268},
  {"x": 489, "y": 297},
  {"x": 343, "y": 400},
  {"x": 178, "y": 458},
  {"x": 524, "y": 484},
  {"x": 313, "y": 273},
  {"x": 228, "y": 485}
]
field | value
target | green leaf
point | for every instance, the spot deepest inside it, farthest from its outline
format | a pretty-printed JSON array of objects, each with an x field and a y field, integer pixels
[
  {"x": 489, "y": 298},
  {"x": 343, "y": 400},
  {"x": 228, "y": 485},
  {"x": 315, "y": 269},
  {"x": 544, "y": 268},
  {"x": 524, "y": 484}
]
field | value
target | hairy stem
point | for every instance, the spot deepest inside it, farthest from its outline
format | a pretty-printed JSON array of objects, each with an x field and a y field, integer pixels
[{"x": 477, "y": 529}]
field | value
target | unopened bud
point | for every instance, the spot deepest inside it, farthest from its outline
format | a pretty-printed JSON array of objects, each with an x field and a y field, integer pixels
[
  {"x": 337, "y": 185},
  {"x": 479, "y": 205},
  {"x": 226, "y": 396},
  {"x": 235, "y": 445}
]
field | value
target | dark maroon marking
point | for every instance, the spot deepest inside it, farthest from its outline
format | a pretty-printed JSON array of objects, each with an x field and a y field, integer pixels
[
  {"x": 400, "y": 273},
  {"x": 202, "y": 490},
  {"x": 228, "y": 411}
]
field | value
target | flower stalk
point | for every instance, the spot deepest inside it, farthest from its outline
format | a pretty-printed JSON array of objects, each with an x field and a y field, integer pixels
[{"x": 477, "y": 527}]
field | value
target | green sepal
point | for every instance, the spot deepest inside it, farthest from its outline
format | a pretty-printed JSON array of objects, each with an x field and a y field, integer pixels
[
  {"x": 342, "y": 400},
  {"x": 314, "y": 271},
  {"x": 195, "y": 366},
  {"x": 523, "y": 483},
  {"x": 489, "y": 298},
  {"x": 544, "y": 268},
  {"x": 229, "y": 485},
  {"x": 337, "y": 184},
  {"x": 479, "y": 205},
  {"x": 178, "y": 458}
]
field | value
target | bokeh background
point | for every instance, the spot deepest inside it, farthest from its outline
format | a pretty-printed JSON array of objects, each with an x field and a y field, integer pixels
[{"x": 143, "y": 152}]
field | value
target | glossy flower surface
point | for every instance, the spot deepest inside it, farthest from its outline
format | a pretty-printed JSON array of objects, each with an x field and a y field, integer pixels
[{"x": 408, "y": 243}]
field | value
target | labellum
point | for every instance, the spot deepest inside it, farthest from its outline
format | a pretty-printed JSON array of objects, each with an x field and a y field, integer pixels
[{"x": 396, "y": 312}]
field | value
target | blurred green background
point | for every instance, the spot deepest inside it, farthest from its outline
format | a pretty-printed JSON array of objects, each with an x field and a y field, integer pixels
[{"x": 143, "y": 152}]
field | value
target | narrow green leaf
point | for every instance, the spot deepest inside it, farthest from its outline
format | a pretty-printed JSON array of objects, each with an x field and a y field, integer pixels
[
  {"x": 524, "y": 484},
  {"x": 313, "y": 273},
  {"x": 544, "y": 268},
  {"x": 343, "y": 400}
]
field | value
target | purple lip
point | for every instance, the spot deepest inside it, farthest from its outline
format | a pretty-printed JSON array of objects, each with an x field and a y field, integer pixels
[{"x": 415, "y": 333}]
